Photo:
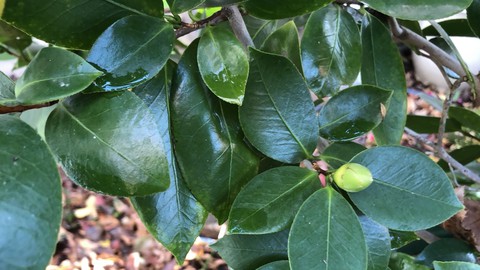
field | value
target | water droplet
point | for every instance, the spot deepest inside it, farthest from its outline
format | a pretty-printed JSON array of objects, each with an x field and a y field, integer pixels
[{"x": 94, "y": 137}]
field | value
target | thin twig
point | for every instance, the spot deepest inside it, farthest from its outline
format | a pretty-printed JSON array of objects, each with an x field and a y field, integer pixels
[
  {"x": 22, "y": 108},
  {"x": 187, "y": 28},
  {"x": 427, "y": 236},
  {"x": 238, "y": 26},
  {"x": 443, "y": 154}
]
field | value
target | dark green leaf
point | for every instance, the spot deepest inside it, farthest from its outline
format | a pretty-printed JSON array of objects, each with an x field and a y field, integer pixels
[
  {"x": 260, "y": 29},
  {"x": 446, "y": 250},
  {"x": 429, "y": 124},
  {"x": 270, "y": 201},
  {"x": 131, "y": 51},
  {"x": 465, "y": 117},
  {"x": 37, "y": 118},
  {"x": 73, "y": 23},
  {"x": 7, "y": 91},
  {"x": 401, "y": 261},
  {"x": 463, "y": 155},
  {"x": 278, "y": 115},
  {"x": 419, "y": 9},
  {"x": 284, "y": 41},
  {"x": 377, "y": 238},
  {"x": 242, "y": 251},
  {"x": 174, "y": 217},
  {"x": 54, "y": 74},
  {"x": 382, "y": 66},
  {"x": 455, "y": 27},
  {"x": 213, "y": 157},
  {"x": 30, "y": 197},
  {"x": 13, "y": 39},
  {"x": 331, "y": 50},
  {"x": 473, "y": 16},
  {"x": 324, "y": 231},
  {"x": 339, "y": 153},
  {"x": 400, "y": 239},
  {"x": 217, "y": 3},
  {"x": 180, "y": 6},
  {"x": 278, "y": 9},
  {"x": 406, "y": 177},
  {"x": 109, "y": 143},
  {"x": 455, "y": 266},
  {"x": 352, "y": 112},
  {"x": 278, "y": 265},
  {"x": 223, "y": 64}
]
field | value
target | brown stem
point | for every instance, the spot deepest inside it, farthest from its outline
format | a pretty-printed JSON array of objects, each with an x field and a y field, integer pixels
[
  {"x": 22, "y": 108},
  {"x": 187, "y": 28}
]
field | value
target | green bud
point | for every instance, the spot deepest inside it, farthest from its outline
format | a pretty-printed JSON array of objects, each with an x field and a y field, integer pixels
[{"x": 353, "y": 177}]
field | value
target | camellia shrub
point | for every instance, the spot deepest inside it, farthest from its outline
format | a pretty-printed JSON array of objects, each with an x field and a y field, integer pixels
[{"x": 249, "y": 122}]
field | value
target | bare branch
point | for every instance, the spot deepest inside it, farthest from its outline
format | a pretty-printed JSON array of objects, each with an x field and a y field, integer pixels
[
  {"x": 22, "y": 108},
  {"x": 187, "y": 28},
  {"x": 238, "y": 26}
]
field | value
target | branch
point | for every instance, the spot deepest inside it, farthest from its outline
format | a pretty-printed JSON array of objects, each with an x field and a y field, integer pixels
[
  {"x": 22, "y": 108},
  {"x": 238, "y": 26},
  {"x": 442, "y": 153},
  {"x": 187, "y": 28}
]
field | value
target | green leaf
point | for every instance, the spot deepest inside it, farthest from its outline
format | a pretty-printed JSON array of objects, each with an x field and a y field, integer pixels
[
  {"x": 382, "y": 66},
  {"x": 278, "y": 265},
  {"x": 413, "y": 181},
  {"x": 400, "y": 239},
  {"x": 455, "y": 27},
  {"x": 109, "y": 143},
  {"x": 242, "y": 251},
  {"x": 223, "y": 64},
  {"x": 279, "y": 9},
  {"x": 326, "y": 234},
  {"x": 218, "y": 3},
  {"x": 30, "y": 197},
  {"x": 54, "y": 74},
  {"x": 401, "y": 261},
  {"x": 278, "y": 115},
  {"x": 142, "y": 47},
  {"x": 465, "y": 117},
  {"x": 419, "y": 9},
  {"x": 256, "y": 211},
  {"x": 214, "y": 160},
  {"x": 455, "y": 266},
  {"x": 473, "y": 17},
  {"x": 260, "y": 29},
  {"x": 339, "y": 153},
  {"x": 7, "y": 91},
  {"x": 446, "y": 250},
  {"x": 174, "y": 217},
  {"x": 377, "y": 238},
  {"x": 37, "y": 118},
  {"x": 352, "y": 112},
  {"x": 73, "y": 23},
  {"x": 284, "y": 42},
  {"x": 429, "y": 124},
  {"x": 13, "y": 38},
  {"x": 463, "y": 155},
  {"x": 180, "y": 6},
  {"x": 331, "y": 50}
]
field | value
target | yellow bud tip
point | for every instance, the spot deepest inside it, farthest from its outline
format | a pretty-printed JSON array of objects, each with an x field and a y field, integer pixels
[
  {"x": 353, "y": 177},
  {"x": 2, "y": 6}
]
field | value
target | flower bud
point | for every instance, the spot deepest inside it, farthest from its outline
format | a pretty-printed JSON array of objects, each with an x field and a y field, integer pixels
[{"x": 353, "y": 177}]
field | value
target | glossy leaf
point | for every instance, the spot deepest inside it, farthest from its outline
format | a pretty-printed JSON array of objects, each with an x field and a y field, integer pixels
[
  {"x": 260, "y": 29},
  {"x": 277, "y": 115},
  {"x": 256, "y": 211},
  {"x": 400, "y": 239},
  {"x": 180, "y": 6},
  {"x": 279, "y": 9},
  {"x": 323, "y": 232},
  {"x": 213, "y": 158},
  {"x": 429, "y": 124},
  {"x": 242, "y": 251},
  {"x": 87, "y": 133},
  {"x": 284, "y": 41},
  {"x": 382, "y": 66},
  {"x": 223, "y": 64},
  {"x": 446, "y": 250},
  {"x": 30, "y": 197},
  {"x": 37, "y": 118},
  {"x": 465, "y": 117},
  {"x": 54, "y": 74},
  {"x": 377, "y": 238},
  {"x": 401, "y": 261},
  {"x": 352, "y": 112},
  {"x": 331, "y": 50},
  {"x": 174, "y": 217},
  {"x": 473, "y": 16},
  {"x": 463, "y": 155},
  {"x": 7, "y": 91},
  {"x": 278, "y": 265},
  {"x": 73, "y": 23},
  {"x": 131, "y": 51},
  {"x": 13, "y": 39},
  {"x": 455, "y": 266},
  {"x": 217, "y": 3},
  {"x": 414, "y": 181},
  {"x": 339, "y": 153},
  {"x": 418, "y": 9},
  {"x": 454, "y": 27}
]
